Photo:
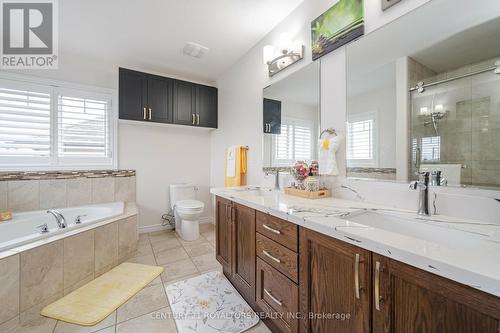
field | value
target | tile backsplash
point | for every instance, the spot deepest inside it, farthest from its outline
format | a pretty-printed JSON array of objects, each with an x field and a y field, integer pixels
[{"x": 27, "y": 191}]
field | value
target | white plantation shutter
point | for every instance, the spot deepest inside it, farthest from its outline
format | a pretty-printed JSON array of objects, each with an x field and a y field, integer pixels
[
  {"x": 294, "y": 143},
  {"x": 431, "y": 148},
  {"x": 25, "y": 123},
  {"x": 84, "y": 131},
  {"x": 47, "y": 127},
  {"x": 361, "y": 140}
]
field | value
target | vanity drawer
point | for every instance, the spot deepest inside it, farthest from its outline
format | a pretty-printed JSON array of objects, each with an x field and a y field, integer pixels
[
  {"x": 278, "y": 256},
  {"x": 278, "y": 297},
  {"x": 278, "y": 230}
]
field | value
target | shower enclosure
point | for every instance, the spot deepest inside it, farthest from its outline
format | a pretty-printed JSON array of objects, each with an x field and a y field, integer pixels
[{"x": 455, "y": 124}]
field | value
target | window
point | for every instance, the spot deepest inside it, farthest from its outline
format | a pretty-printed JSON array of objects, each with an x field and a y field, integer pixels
[
  {"x": 43, "y": 126},
  {"x": 431, "y": 149},
  {"x": 294, "y": 143},
  {"x": 361, "y": 148}
]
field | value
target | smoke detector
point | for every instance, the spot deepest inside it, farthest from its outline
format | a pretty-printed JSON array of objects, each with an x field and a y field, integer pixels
[{"x": 195, "y": 50}]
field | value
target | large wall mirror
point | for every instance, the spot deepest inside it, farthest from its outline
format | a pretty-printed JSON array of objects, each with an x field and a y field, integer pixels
[
  {"x": 430, "y": 103},
  {"x": 291, "y": 118}
]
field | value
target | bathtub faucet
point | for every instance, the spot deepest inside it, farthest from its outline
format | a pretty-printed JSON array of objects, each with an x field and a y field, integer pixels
[{"x": 61, "y": 221}]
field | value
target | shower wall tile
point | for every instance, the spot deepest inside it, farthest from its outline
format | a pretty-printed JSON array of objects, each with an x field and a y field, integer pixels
[
  {"x": 41, "y": 274},
  {"x": 485, "y": 146},
  {"x": 23, "y": 195},
  {"x": 9, "y": 288},
  {"x": 486, "y": 173},
  {"x": 125, "y": 189},
  {"x": 456, "y": 147},
  {"x": 78, "y": 192},
  {"x": 103, "y": 190},
  {"x": 52, "y": 193},
  {"x": 78, "y": 258}
]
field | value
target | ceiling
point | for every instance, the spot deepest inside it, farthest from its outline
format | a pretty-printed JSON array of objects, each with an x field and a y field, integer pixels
[
  {"x": 152, "y": 33},
  {"x": 471, "y": 46}
]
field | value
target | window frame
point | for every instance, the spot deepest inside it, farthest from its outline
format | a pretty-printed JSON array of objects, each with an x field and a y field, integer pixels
[
  {"x": 291, "y": 121},
  {"x": 358, "y": 117},
  {"x": 54, "y": 161}
]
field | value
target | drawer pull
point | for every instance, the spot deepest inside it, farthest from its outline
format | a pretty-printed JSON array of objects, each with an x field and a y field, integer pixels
[
  {"x": 149, "y": 117},
  {"x": 269, "y": 255},
  {"x": 144, "y": 113},
  {"x": 277, "y": 232},
  {"x": 275, "y": 300},
  {"x": 356, "y": 275},
  {"x": 377, "y": 286}
]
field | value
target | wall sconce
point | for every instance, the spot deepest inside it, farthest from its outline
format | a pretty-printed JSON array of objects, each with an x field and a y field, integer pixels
[{"x": 288, "y": 55}]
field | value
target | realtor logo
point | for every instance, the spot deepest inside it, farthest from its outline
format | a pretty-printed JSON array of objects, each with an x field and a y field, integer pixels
[{"x": 29, "y": 34}]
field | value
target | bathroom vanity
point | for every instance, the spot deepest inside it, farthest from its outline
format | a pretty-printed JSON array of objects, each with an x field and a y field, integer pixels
[{"x": 334, "y": 265}]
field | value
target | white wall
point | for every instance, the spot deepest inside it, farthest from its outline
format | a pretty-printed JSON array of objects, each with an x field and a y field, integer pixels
[{"x": 162, "y": 156}]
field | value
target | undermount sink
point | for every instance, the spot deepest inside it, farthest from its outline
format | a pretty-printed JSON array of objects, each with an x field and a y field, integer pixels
[
  {"x": 414, "y": 227},
  {"x": 256, "y": 191}
]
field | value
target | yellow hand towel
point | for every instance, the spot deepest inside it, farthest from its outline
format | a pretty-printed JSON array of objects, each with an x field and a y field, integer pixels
[{"x": 238, "y": 178}]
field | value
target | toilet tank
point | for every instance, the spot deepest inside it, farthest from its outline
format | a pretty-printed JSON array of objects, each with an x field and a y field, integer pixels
[{"x": 181, "y": 192}]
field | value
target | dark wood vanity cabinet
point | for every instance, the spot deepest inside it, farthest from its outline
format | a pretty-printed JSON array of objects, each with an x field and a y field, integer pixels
[
  {"x": 283, "y": 270},
  {"x": 411, "y": 300},
  {"x": 272, "y": 116},
  {"x": 235, "y": 245},
  {"x": 335, "y": 280},
  {"x": 153, "y": 98},
  {"x": 223, "y": 233}
]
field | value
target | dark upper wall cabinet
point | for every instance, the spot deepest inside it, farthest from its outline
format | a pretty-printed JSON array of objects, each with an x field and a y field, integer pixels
[
  {"x": 159, "y": 99},
  {"x": 272, "y": 116}
]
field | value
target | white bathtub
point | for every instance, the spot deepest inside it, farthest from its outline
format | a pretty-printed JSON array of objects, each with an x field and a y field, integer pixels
[{"x": 22, "y": 229}]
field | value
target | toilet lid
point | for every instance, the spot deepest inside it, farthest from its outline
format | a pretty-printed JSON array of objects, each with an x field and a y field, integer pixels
[{"x": 190, "y": 204}]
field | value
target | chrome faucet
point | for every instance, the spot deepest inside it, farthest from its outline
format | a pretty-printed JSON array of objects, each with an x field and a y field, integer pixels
[
  {"x": 61, "y": 221},
  {"x": 423, "y": 195}
]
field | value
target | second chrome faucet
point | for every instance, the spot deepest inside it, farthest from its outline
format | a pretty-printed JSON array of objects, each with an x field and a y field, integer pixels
[{"x": 61, "y": 221}]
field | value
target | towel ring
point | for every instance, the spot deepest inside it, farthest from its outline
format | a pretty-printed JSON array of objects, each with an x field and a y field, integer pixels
[{"x": 330, "y": 131}]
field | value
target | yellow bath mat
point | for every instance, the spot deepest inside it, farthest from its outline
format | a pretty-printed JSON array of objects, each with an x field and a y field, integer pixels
[{"x": 96, "y": 300}]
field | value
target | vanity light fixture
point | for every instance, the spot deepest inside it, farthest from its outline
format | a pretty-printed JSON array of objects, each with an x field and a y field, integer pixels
[{"x": 288, "y": 55}]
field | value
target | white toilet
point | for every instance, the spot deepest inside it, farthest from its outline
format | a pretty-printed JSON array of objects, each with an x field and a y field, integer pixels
[{"x": 187, "y": 210}]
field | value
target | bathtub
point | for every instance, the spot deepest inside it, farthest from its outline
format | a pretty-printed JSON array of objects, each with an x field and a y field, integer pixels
[{"x": 22, "y": 229}]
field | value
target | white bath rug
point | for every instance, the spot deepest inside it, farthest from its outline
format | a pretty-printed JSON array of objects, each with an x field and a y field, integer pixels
[{"x": 209, "y": 303}]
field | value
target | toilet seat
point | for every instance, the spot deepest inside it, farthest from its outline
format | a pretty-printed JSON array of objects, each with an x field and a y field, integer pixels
[{"x": 189, "y": 205}]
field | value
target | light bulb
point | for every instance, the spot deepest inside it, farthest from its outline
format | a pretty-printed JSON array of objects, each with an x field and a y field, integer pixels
[{"x": 285, "y": 42}]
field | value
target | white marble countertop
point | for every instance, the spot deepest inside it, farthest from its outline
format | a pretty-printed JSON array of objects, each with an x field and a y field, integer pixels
[{"x": 462, "y": 250}]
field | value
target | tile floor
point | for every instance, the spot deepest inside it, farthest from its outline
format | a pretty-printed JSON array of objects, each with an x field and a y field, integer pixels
[{"x": 181, "y": 260}]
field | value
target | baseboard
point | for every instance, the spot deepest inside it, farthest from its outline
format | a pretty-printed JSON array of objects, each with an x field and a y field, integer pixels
[{"x": 158, "y": 227}]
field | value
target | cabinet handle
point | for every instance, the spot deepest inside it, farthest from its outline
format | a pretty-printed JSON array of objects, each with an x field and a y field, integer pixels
[
  {"x": 192, "y": 118},
  {"x": 197, "y": 119},
  {"x": 144, "y": 113},
  {"x": 377, "y": 286},
  {"x": 275, "y": 300},
  {"x": 149, "y": 113},
  {"x": 269, "y": 255},
  {"x": 268, "y": 128},
  {"x": 265, "y": 226},
  {"x": 356, "y": 275}
]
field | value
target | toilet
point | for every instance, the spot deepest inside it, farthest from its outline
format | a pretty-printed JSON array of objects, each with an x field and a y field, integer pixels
[{"x": 187, "y": 210}]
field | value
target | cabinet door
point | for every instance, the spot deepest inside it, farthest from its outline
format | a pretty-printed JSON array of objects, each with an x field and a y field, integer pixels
[
  {"x": 415, "y": 301},
  {"x": 243, "y": 251},
  {"x": 272, "y": 116},
  {"x": 206, "y": 106},
  {"x": 223, "y": 234},
  {"x": 335, "y": 279},
  {"x": 184, "y": 103},
  {"x": 159, "y": 99},
  {"x": 133, "y": 94}
]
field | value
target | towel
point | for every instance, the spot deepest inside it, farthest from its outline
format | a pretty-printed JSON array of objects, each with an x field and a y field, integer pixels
[
  {"x": 235, "y": 166},
  {"x": 327, "y": 158}
]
